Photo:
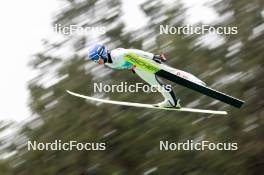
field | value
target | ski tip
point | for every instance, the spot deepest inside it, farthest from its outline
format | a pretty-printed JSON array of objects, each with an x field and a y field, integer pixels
[{"x": 68, "y": 91}]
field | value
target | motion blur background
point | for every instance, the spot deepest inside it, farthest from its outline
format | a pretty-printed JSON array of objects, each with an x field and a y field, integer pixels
[{"x": 229, "y": 63}]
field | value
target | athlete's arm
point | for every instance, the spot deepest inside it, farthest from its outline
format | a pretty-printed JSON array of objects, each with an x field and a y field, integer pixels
[
  {"x": 147, "y": 55},
  {"x": 140, "y": 53}
]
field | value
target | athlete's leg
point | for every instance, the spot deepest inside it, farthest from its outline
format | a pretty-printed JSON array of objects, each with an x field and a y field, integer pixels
[{"x": 170, "y": 98}]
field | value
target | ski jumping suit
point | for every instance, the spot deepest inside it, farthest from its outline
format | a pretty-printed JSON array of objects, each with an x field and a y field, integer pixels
[{"x": 118, "y": 62}]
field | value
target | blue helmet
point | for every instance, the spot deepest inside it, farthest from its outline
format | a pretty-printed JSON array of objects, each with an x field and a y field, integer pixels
[{"x": 96, "y": 52}]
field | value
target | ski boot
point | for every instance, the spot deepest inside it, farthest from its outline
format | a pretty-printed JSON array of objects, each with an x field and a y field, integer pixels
[
  {"x": 159, "y": 58},
  {"x": 167, "y": 104}
]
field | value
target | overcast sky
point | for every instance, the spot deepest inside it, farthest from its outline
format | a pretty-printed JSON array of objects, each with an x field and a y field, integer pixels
[{"x": 23, "y": 25}]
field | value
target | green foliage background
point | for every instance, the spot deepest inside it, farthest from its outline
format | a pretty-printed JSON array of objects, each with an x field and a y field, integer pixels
[{"x": 132, "y": 135}]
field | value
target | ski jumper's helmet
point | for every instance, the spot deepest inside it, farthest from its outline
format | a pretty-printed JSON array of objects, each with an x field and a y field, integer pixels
[{"x": 96, "y": 52}]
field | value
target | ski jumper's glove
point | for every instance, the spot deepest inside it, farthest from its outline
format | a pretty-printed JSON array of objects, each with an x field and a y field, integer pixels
[
  {"x": 133, "y": 69},
  {"x": 159, "y": 58}
]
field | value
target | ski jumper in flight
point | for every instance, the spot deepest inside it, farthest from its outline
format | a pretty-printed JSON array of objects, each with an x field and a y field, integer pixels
[{"x": 115, "y": 59}]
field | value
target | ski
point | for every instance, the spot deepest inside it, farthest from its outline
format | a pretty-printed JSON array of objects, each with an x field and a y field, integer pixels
[{"x": 150, "y": 106}]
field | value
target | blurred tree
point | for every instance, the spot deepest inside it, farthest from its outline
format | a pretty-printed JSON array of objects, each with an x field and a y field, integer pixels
[{"x": 132, "y": 135}]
